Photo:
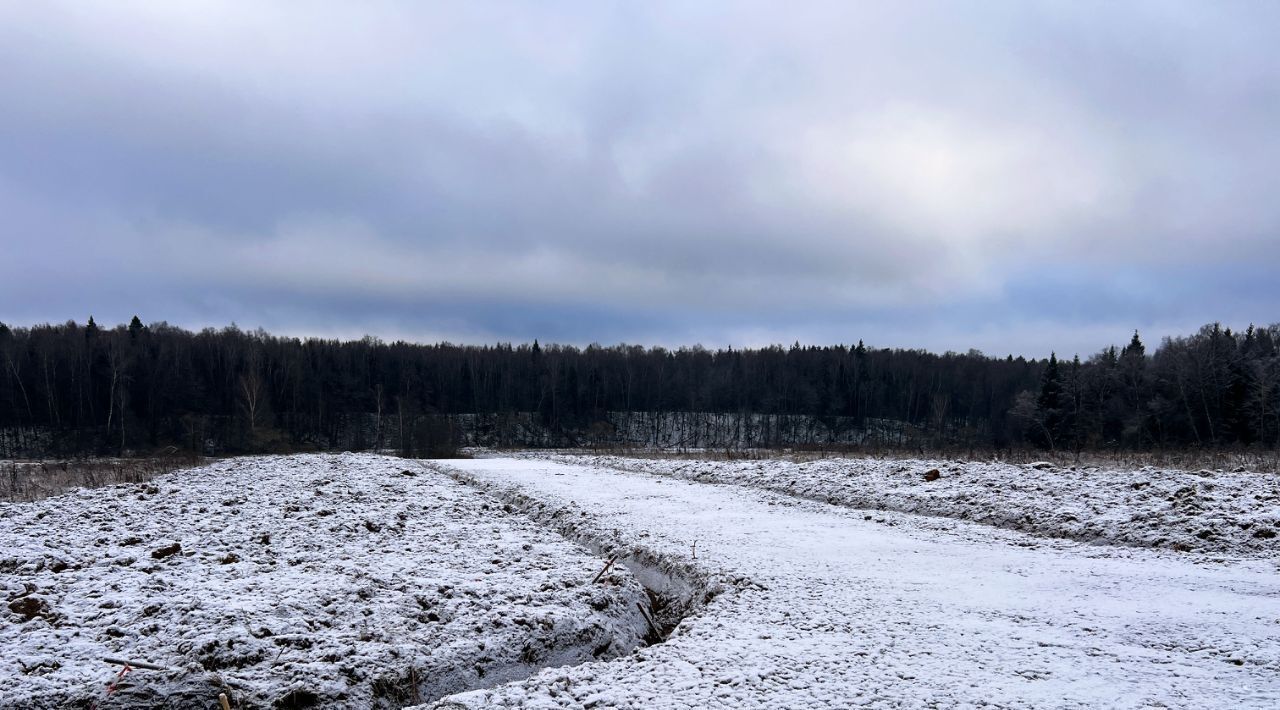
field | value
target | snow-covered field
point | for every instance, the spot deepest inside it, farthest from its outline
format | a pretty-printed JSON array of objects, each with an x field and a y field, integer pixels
[
  {"x": 1233, "y": 513},
  {"x": 326, "y": 581},
  {"x": 366, "y": 581},
  {"x": 827, "y": 607}
]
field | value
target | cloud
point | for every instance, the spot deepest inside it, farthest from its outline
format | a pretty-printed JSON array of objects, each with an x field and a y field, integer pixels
[{"x": 911, "y": 174}]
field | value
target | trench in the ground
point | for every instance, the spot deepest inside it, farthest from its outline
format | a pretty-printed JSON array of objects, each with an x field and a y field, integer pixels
[{"x": 676, "y": 588}]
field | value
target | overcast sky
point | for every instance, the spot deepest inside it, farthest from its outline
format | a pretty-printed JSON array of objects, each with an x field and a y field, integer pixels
[{"x": 1014, "y": 177}]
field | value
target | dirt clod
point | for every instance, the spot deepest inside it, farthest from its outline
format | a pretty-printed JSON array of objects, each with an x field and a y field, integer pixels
[
  {"x": 29, "y": 607},
  {"x": 167, "y": 551}
]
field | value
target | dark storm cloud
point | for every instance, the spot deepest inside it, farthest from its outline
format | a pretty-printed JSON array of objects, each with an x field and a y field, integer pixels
[{"x": 1012, "y": 177}]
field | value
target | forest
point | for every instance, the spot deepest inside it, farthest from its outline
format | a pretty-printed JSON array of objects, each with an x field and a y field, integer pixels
[{"x": 135, "y": 389}]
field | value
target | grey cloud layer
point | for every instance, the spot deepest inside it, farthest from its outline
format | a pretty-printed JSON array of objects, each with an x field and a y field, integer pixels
[{"x": 1010, "y": 176}]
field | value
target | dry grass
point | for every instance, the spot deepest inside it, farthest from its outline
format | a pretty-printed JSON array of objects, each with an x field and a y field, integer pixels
[{"x": 25, "y": 481}]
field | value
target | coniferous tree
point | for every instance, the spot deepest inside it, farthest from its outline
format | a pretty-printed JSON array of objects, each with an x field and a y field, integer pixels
[
  {"x": 1050, "y": 402},
  {"x": 1132, "y": 367},
  {"x": 135, "y": 328}
]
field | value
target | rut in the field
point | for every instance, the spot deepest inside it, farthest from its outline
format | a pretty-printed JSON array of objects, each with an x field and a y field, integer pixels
[{"x": 825, "y": 606}]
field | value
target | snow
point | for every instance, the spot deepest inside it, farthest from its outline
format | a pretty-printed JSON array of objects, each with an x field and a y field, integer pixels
[
  {"x": 821, "y": 606},
  {"x": 368, "y": 581},
  {"x": 1219, "y": 513},
  {"x": 326, "y": 580}
]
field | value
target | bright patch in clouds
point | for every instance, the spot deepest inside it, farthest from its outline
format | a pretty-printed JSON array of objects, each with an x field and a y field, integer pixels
[{"x": 968, "y": 182}]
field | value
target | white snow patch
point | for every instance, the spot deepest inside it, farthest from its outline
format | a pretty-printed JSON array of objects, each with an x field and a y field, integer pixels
[{"x": 1221, "y": 513}]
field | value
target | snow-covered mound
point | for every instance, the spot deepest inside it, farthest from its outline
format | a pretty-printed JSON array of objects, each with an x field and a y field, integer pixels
[
  {"x": 325, "y": 581},
  {"x": 1227, "y": 513}
]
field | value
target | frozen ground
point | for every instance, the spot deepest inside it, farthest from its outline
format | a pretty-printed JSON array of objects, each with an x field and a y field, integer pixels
[
  {"x": 326, "y": 581},
  {"x": 1233, "y": 513},
  {"x": 359, "y": 581},
  {"x": 824, "y": 607}
]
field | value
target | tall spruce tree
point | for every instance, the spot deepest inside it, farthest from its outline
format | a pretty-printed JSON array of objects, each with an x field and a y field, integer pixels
[
  {"x": 1050, "y": 402},
  {"x": 135, "y": 328}
]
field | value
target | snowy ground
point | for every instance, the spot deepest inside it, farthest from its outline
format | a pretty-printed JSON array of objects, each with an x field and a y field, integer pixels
[
  {"x": 326, "y": 581},
  {"x": 360, "y": 581},
  {"x": 1232, "y": 513},
  {"x": 824, "y": 606}
]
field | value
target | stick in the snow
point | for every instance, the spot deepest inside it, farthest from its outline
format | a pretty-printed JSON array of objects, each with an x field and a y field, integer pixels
[
  {"x": 135, "y": 664},
  {"x": 222, "y": 701},
  {"x": 649, "y": 620},
  {"x": 607, "y": 565}
]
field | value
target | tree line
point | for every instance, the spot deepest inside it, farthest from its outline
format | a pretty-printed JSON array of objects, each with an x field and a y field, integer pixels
[{"x": 81, "y": 389}]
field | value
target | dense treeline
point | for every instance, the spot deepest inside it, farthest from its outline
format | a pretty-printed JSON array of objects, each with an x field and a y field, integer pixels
[{"x": 140, "y": 388}]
